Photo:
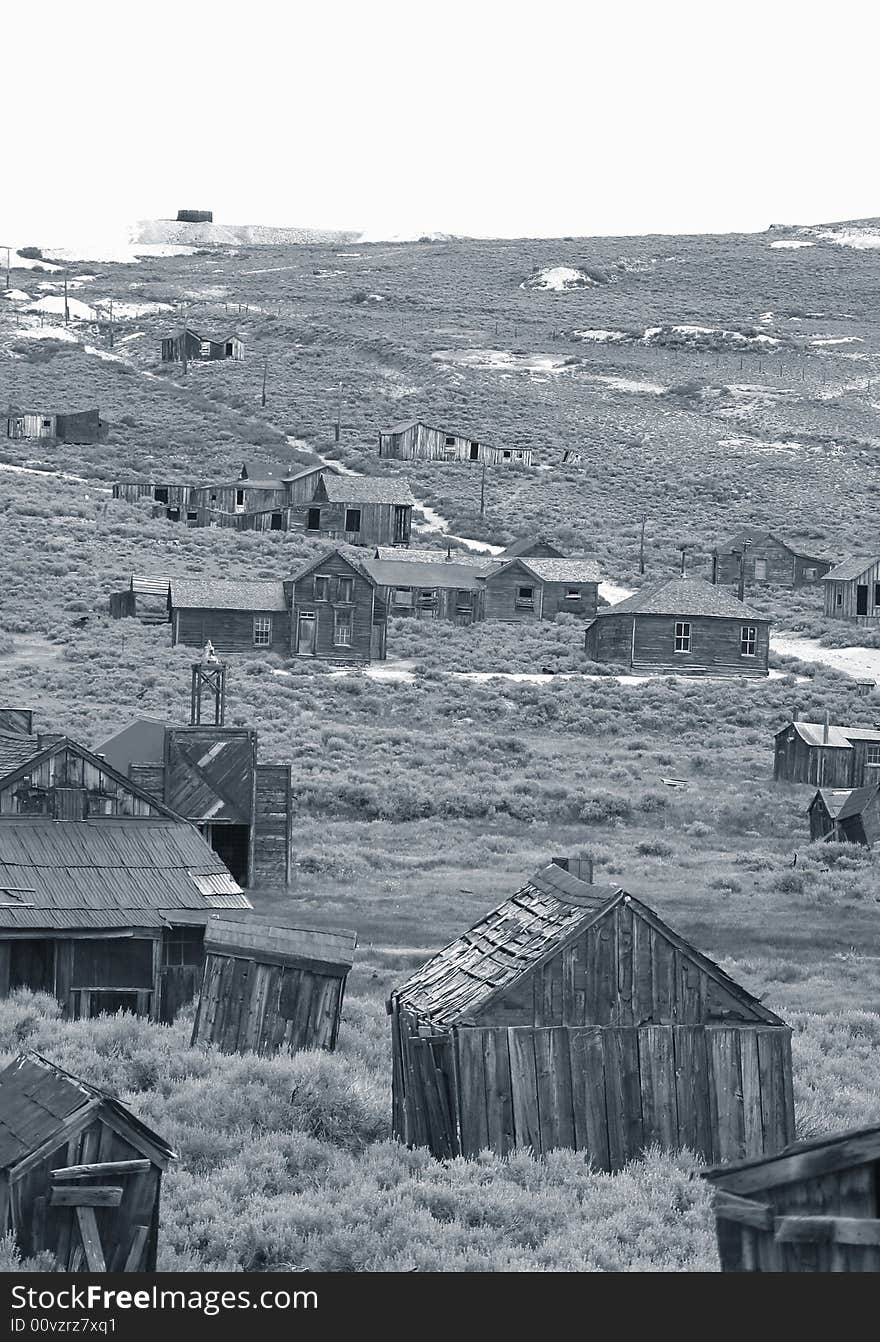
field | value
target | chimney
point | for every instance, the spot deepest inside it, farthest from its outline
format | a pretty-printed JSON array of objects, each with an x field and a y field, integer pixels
[
  {"x": 46, "y": 739},
  {"x": 741, "y": 587},
  {"x": 579, "y": 867},
  {"x": 825, "y": 727},
  {"x": 795, "y": 717}
]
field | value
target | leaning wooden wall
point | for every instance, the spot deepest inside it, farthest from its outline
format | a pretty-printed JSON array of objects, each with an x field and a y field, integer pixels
[
  {"x": 262, "y": 1005},
  {"x": 273, "y": 824}
]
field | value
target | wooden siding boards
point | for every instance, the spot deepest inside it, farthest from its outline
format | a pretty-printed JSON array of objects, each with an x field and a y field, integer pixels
[
  {"x": 503, "y": 599},
  {"x": 854, "y": 598},
  {"x": 228, "y": 630},
  {"x": 777, "y": 563},
  {"x": 422, "y": 442},
  {"x": 647, "y": 642},
  {"x": 379, "y": 523},
  {"x": 313, "y": 622}
]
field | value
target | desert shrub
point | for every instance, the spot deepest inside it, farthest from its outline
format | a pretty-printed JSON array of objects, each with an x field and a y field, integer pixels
[
  {"x": 655, "y": 848},
  {"x": 605, "y": 808}
]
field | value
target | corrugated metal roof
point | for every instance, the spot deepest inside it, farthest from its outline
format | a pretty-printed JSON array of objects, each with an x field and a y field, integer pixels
[
  {"x": 367, "y": 489},
  {"x": 851, "y": 568},
  {"x": 683, "y": 596},
  {"x": 293, "y": 943},
  {"x": 146, "y": 585},
  {"x": 392, "y": 573},
  {"x": 814, "y": 735},
  {"x": 224, "y": 594}
]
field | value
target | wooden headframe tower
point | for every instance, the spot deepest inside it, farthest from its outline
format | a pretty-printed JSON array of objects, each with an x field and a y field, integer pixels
[{"x": 208, "y": 691}]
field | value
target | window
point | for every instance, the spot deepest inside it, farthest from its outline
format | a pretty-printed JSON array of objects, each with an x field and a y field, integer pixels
[
  {"x": 205, "y": 349},
  {"x": 183, "y": 946},
  {"x": 450, "y": 442},
  {"x": 872, "y": 757},
  {"x": 838, "y": 599},
  {"x": 573, "y": 594},
  {"x": 160, "y": 494},
  {"x": 506, "y": 456},
  {"x": 760, "y": 570},
  {"x": 877, "y": 593},
  {"x": 748, "y": 640},
  {"x": 682, "y": 636},
  {"x": 525, "y": 598},
  {"x": 47, "y": 423},
  {"x": 352, "y": 519},
  {"x": 192, "y": 517},
  {"x": 239, "y": 498},
  {"x": 345, "y": 589},
  {"x": 313, "y": 519},
  {"x": 809, "y": 575},
  {"x": 262, "y": 631},
  {"x": 342, "y": 628},
  {"x": 402, "y": 596},
  {"x": 322, "y": 587}
]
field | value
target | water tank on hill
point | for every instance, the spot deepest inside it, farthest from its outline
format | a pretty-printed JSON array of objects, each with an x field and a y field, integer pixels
[{"x": 195, "y": 216}]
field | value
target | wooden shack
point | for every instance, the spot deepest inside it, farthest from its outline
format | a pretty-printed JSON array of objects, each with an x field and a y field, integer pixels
[
  {"x": 826, "y": 755},
  {"x": 183, "y": 345},
  {"x": 532, "y": 588},
  {"x": 681, "y": 626},
  {"x": 80, "y": 1174},
  {"x": 846, "y": 815},
  {"x": 25, "y": 425},
  {"x": 415, "y": 440},
  {"x": 572, "y": 1016},
  {"x": 236, "y": 615},
  {"x": 436, "y": 588},
  {"x": 360, "y": 509},
  {"x": 852, "y": 591},
  {"x": 267, "y": 988},
  {"x": 531, "y": 547},
  {"x": 336, "y": 611},
  {"x": 756, "y": 557},
  {"x": 812, "y": 1207}
]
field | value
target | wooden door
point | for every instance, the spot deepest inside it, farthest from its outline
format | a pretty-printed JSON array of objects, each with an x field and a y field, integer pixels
[
  {"x": 210, "y": 773},
  {"x": 305, "y": 635},
  {"x": 401, "y": 523},
  {"x": 102, "y": 1213},
  {"x": 862, "y": 599}
]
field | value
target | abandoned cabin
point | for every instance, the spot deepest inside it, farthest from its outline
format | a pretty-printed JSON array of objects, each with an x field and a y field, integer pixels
[
  {"x": 328, "y": 609},
  {"x": 417, "y": 441},
  {"x": 846, "y": 815},
  {"x": 187, "y": 346},
  {"x": 682, "y": 626},
  {"x": 531, "y": 547},
  {"x": 812, "y": 1207},
  {"x": 287, "y": 984},
  {"x": 361, "y": 509},
  {"x": 80, "y": 1174},
  {"x": 852, "y": 591},
  {"x": 526, "y": 589},
  {"x": 756, "y": 557},
  {"x": 572, "y": 1016},
  {"x": 75, "y": 426},
  {"x": 826, "y": 755}
]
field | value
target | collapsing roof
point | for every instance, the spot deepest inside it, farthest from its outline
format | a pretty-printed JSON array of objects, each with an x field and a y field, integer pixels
[
  {"x": 843, "y": 803},
  {"x": 683, "y": 596}
]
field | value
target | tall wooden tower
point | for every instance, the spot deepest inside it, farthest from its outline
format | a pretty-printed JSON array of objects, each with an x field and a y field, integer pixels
[{"x": 208, "y": 702}]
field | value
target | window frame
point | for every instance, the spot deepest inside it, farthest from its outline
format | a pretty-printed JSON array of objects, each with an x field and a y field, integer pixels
[
  {"x": 311, "y": 512},
  {"x": 760, "y": 575},
  {"x": 574, "y": 594},
  {"x": 875, "y": 751},
  {"x": 345, "y": 584},
  {"x": 525, "y": 598},
  {"x": 262, "y": 625},
  {"x": 353, "y": 512},
  {"x": 748, "y": 640},
  {"x": 321, "y": 578},
  {"x": 343, "y": 620},
  {"x": 682, "y": 635}
]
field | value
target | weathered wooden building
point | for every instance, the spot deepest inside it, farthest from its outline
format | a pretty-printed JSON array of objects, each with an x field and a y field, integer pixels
[
  {"x": 681, "y": 626},
  {"x": 188, "y": 346},
  {"x": 416, "y": 441},
  {"x": 846, "y": 815},
  {"x": 572, "y": 1016},
  {"x": 531, "y": 547},
  {"x": 852, "y": 591},
  {"x": 75, "y": 426},
  {"x": 80, "y": 1174},
  {"x": 236, "y": 615},
  {"x": 756, "y": 557},
  {"x": 812, "y": 1207},
  {"x": 437, "y": 588},
  {"x": 360, "y": 509},
  {"x": 336, "y": 611},
  {"x": 267, "y": 988},
  {"x": 261, "y": 498},
  {"x": 195, "y": 216},
  {"x": 525, "y": 589},
  {"x": 826, "y": 755}
]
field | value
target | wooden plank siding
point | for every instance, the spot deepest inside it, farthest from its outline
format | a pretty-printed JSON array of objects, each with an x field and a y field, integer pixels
[
  {"x": 647, "y": 642},
  {"x": 377, "y": 522},
  {"x": 314, "y": 620},
  {"x": 229, "y": 630},
  {"x": 423, "y": 442},
  {"x": 768, "y": 561},
  {"x": 505, "y": 596},
  {"x": 34, "y": 792},
  {"x": 845, "y": 597}
]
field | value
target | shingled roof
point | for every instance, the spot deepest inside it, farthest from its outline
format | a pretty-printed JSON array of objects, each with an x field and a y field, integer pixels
[
  {"x": 226, "y": 594},
  {"x": 367, "y": 489},
  {"x": 408, "y": 555},
  {"x": 683, "y": 596},
  {"x": 851, "y": 568},
  {"x": 842, "y": 803},
  {"x": 399, "y": 573},
  {"x": 759, "y": 536},
  {"x": 562, "y": 570},
  {"x": 16, "y": 749}
]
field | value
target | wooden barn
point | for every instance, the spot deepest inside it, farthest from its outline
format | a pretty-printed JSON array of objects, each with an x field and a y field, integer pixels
[
  {"x": 826, "y": 755},
  {"x": 195, "y": 216},
  {"x": 846, "y": 815},
  {"x": 360, "y": 509},
  {"x": 417, "y": 441},
  {"x": 267, "y": 989},
  {"x": 434, "y": 589},
  {"x": 336, "y": 611},
  {"x": 852, "y": 591},
  {"x": 539, "y": 589},
  {"x": 812, "y": 1207},
  {"x": 572, "y": 1016},
  {"x": 236, "y": 615},
  {"x": 80, "y": 1174},
  {"x": 681, "y": 626},
  {"x": 757, "y": 557}
]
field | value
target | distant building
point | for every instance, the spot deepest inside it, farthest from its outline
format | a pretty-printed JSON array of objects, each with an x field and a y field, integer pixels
[
  {"x": 195, "y": 216},
  {"x": 432, "y": 587},
  {"x": 237, "y": 615},
  {"x": 826, "y": 755},
  {"x": 531, "y": 547},
  {"x": 360, "y": 509},
  {"x": 189, "y": 345},
  {"x": 541, "y": 588},
  {"x": 77, "y": 426},
  {"x": 846, "y": 815},
  {"x": 852, "y": 591},
  {"x": 767, "y": 558},
  {"x": 683, "y": 626},
  {"x": 416, "y": 441},
  {"x": 262, "y": 497}
]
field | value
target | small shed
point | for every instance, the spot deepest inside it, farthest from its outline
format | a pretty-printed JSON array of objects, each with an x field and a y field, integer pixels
[
  {"x": 80, "y": 1174},
  {"x": 361, "y": 509},
  {"x": 846, "y": 815},
  {"x": 852, "y": 590},
  {"x": 572, "y": 1016},
  {"x": 759, "y": 556},
  {"x": 27, "y": 424},
  {"x": 812, "y": 1207},
  {"x": 237, "y": 615},
  {"x": 266, "y": 988},
  {"x": 185, "y": 344},
  {"x": 79, "y": 426}
]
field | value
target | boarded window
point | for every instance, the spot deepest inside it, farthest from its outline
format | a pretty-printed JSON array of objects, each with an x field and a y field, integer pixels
[
  {"x": 117, "y": 962},
  {"x": 748, "y": 640},
  {"x": 402, "y": 596},
  {"x": 342, "y": 624},
  {"x": 313, "y": 519},
  {"x": 183, "y": 946},
  {"x": 352, "y": 519},
  {"x": 506, "y": 456},
  {"x": 205, "y": 349},
  {"x": 760, "y": 570},
  {"x": 525, "y": 598},
  {"x": 346, "y": 589},
  {"x": 192, "y": 517},
  {"x": 682, "y": 636},
  {"x": 322, "y": 587},
  {"x": 160, "y": 494},
  {"x": 262, "y": 631}
]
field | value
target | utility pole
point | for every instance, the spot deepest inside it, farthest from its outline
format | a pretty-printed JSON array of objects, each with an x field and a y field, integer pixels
[
  {"x": 483, "y": 490},
  {"x": 111, "y": 323},
  {"x": 741, "y": 587},
  {"x": 7, "y": 267},
  {"x": 265, "y": 369},
  {"x": 66, "y": 308},
  {"x": 642, "y": 545},
  {"x": 183, "y": 341},
  {"x": 683, "y": 549},
  {"x": 339, "y": 414}
]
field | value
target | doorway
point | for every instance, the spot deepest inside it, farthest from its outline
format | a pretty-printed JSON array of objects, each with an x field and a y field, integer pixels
[
  {"x": 32, "y": 965},
  {"x": 313, "y": 519},
  {"x": 277, "y": 522},
  {"x": 862, "y": 599},
  {"x": 306, "y": 630},
  {"x": 401, "y": 524},
  {"x": 231, "y": 843}
]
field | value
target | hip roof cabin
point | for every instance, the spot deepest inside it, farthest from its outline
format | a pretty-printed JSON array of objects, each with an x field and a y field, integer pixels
[
  {"x": 572, "y": 1016},
  {"x": 757, "y": 557},
  {"x": 681, "y": 626},
  {"x": 812, "y": 1207},
  {"x": 852, "y": 591},
  {"x": 267, "y": 989},
  {"x": 360, "y": 509},
  {"x": 846, "y": 815},
  {"x": 826, "y": 755},
  {"x": 80, "y": 1174},
  {"x": 415, "y": 440}
]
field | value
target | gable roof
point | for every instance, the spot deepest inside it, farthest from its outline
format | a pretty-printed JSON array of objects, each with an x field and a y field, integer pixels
[
  {"x": 16, "y": 749},
  {"x": 553, "y": 570},
  {"x": 813, "y": 733},
  {"x": 851, "y": 568},
  {"x": 408, "y": 424},
  {"x": 108, "y": 872},
  {"x": 843, "y": 803},
  {"x": 141, "y": 742},
  {"x": 440, "y": 573},
  {"x": 407, "y": 555},
  {"x": 64, "y": 743},
  {"x": 683, "y": 596},
  {"x": 226, "y": 594},
  {"x": 36, "y": 1099},
  {"x": 552, "y": 909},
  {"x": 526, "y": 543},
  {"x": 356, "y": 565},
  {"x": 367, "y": 489},
  {"x": 760, "y": 536}
]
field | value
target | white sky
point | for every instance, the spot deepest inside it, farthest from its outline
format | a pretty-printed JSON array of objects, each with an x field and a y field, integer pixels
[{"x": 474, "y": 117}]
